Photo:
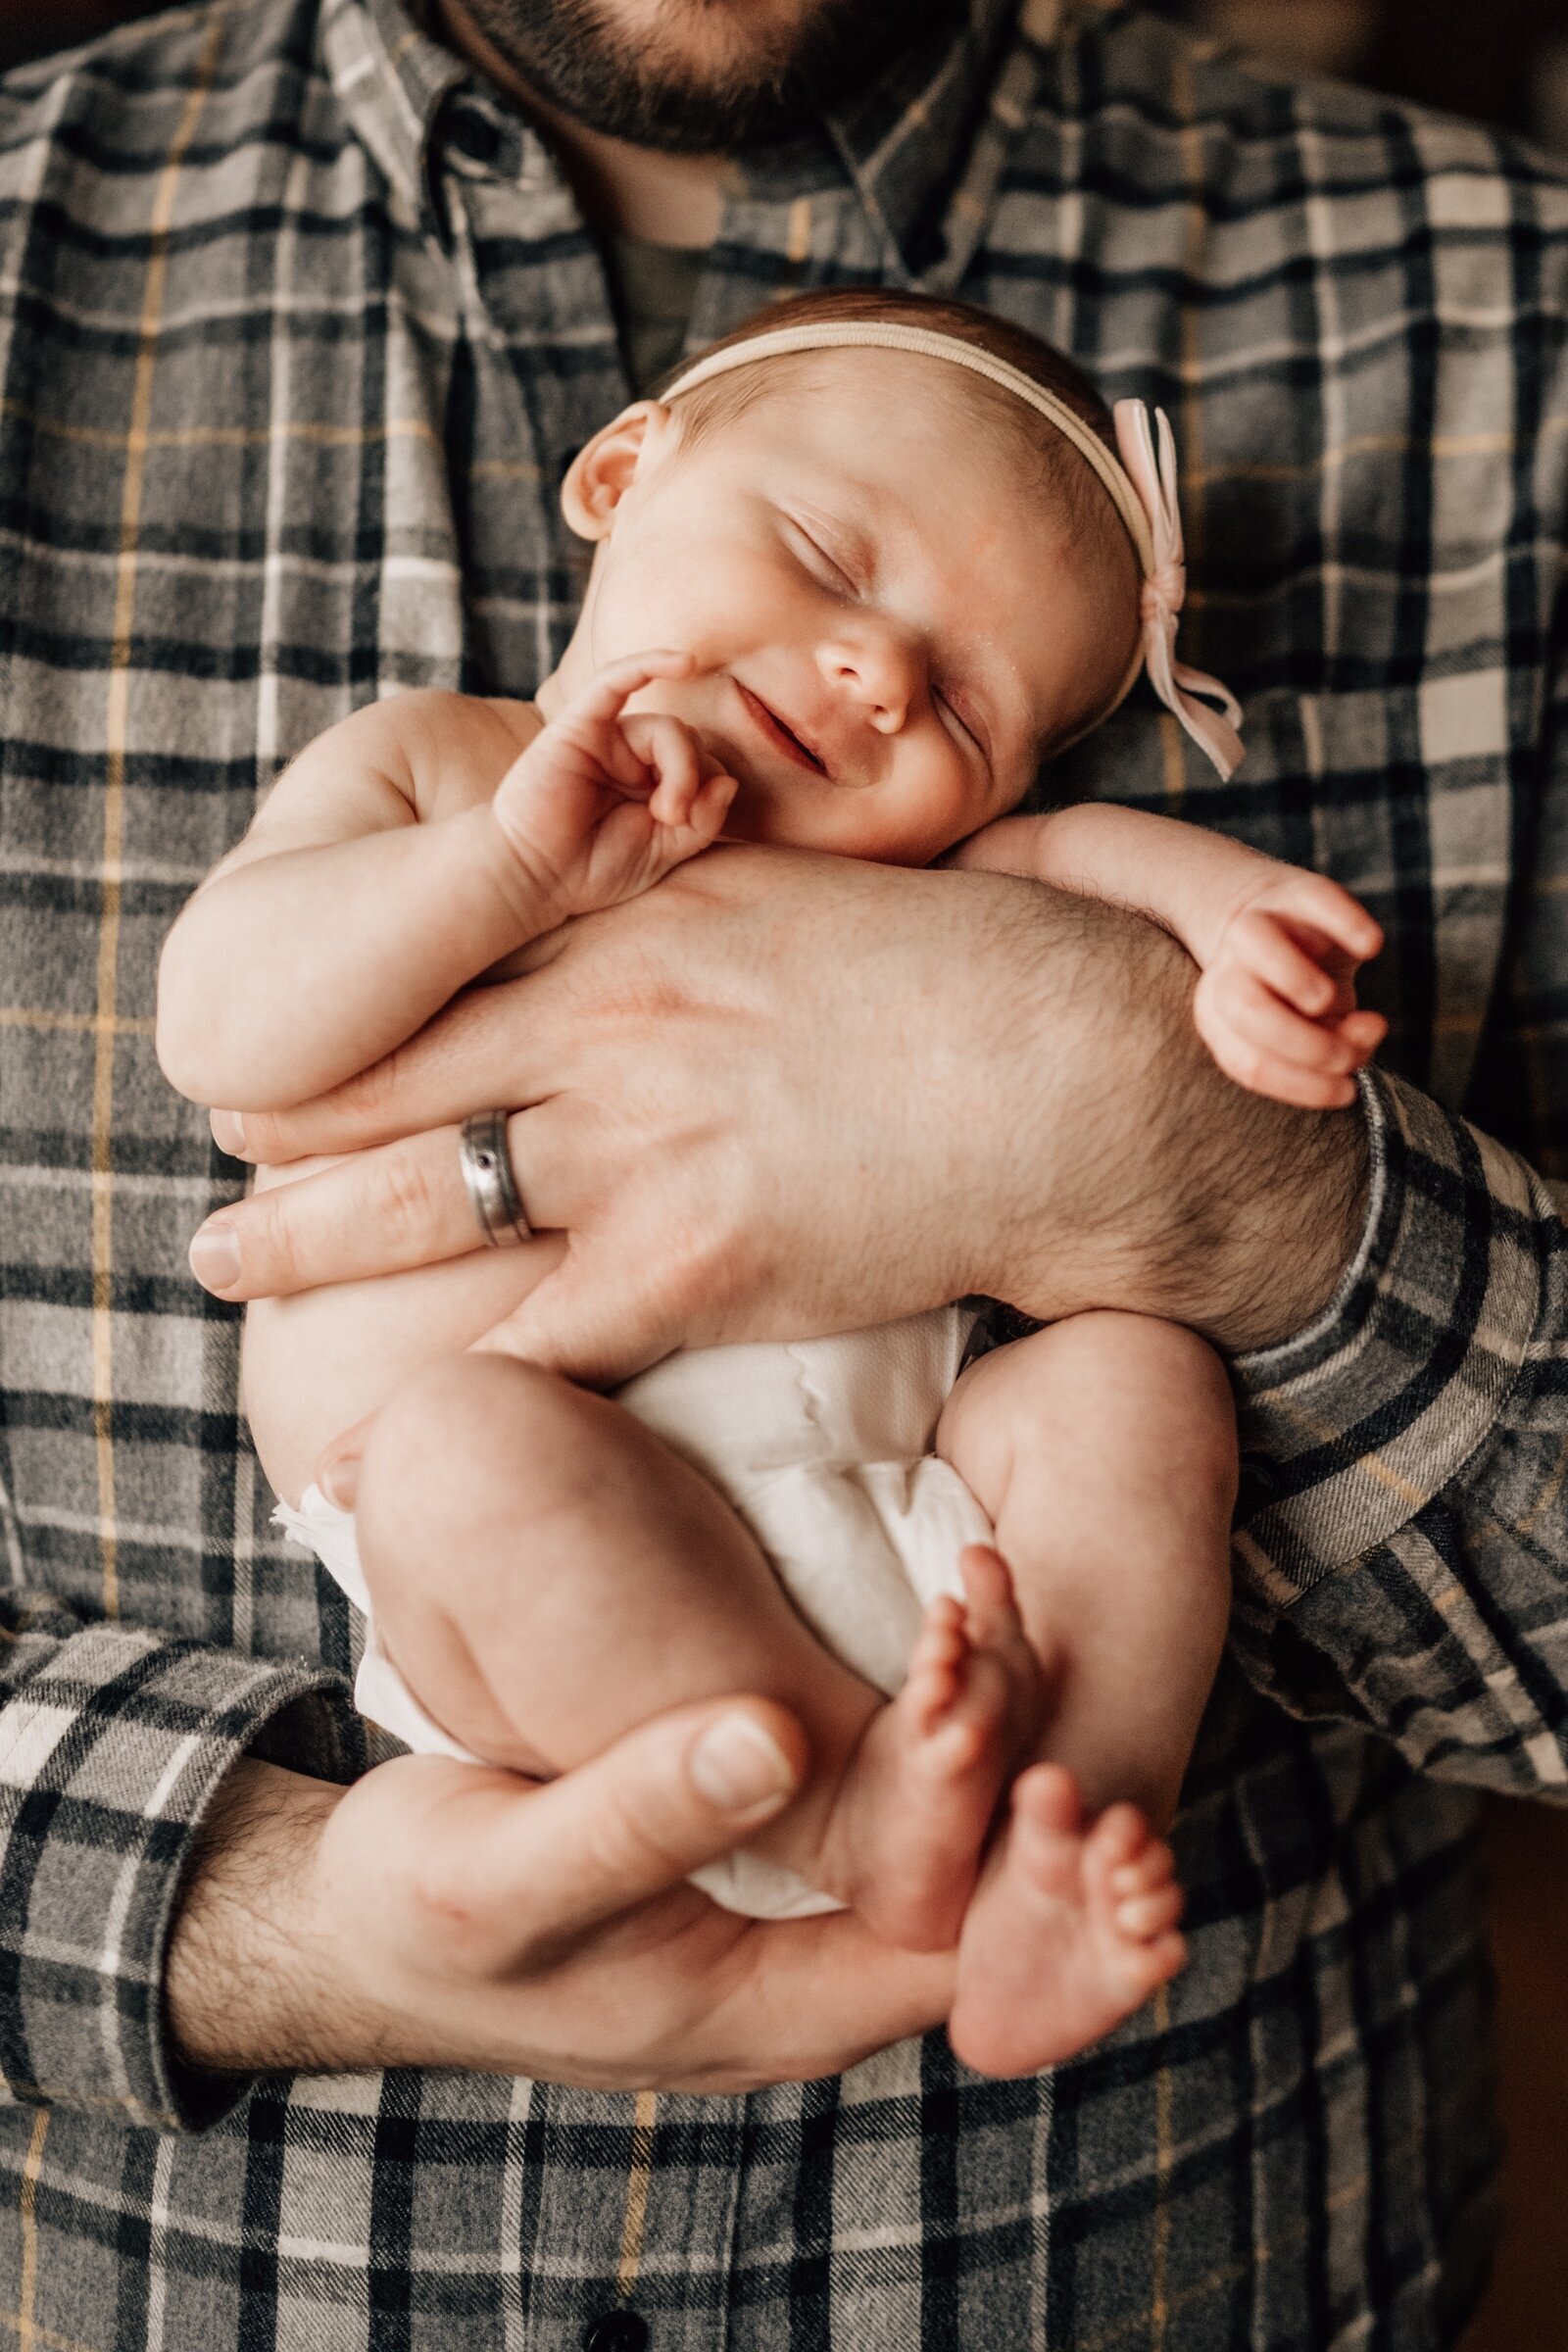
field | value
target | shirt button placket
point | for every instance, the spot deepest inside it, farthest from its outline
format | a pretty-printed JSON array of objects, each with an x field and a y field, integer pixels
[
  {"x": 622, "y": 2330},
  {"x": 627, "y": 2240}
]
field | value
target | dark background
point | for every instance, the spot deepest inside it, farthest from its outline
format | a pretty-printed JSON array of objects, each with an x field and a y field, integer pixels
[
  {"x": 1505, "y": 62},
  {"x": 1498, "y": 61}
]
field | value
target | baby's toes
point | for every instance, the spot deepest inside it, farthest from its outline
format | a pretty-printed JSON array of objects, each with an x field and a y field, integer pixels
[
  {"x": 1143, "y": 1917},
  {"x": 957, "y": 1700},
  {"x": 937, "y": 1667},
  {"x": 1361, "y": 1033},
  {"x": 997, "y": 1633},
  {"x": 943, "y": 1642},
  {"x": 989, "y": 1609},
  {"x": 1120, "y": 1839},
  {"x": 1145, "y": 1967},
  {"x": 1046, "y": 1810},
  {"x": 1153, "y": 1865},
  {"x": 1130, "y": 1884}
]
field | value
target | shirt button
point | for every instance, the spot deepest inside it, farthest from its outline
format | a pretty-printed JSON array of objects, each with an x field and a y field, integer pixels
[
  {"x": 616, "y": 2332},
  {"x": 474, "y": 135}
]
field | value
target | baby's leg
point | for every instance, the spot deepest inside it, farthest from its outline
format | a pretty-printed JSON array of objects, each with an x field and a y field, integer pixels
[
  {"x": 1104, "y": 1451},
  {"x": 1104, "y": 1448},
  {"x": 548, "y": 1573}
]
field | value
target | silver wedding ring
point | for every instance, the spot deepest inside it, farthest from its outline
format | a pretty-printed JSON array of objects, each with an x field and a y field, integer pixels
[{"x": 489, "y": 1182}]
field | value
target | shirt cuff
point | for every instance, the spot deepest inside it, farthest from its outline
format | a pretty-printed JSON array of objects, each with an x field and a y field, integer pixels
[
  {"x": 109, "y": 1753},
  {"x": 1351, "y": 1427}
]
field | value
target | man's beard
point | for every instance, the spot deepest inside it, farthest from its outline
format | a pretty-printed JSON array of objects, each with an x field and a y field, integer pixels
[{"x": 634, "y": 86}]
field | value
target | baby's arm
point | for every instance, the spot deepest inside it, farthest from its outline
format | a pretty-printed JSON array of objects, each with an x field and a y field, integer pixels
[
  {"x": 405, "y": 852},
  {"x": 1277, "y": 948}
]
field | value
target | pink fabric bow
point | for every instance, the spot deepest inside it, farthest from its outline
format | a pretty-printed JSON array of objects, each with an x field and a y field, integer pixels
[{"x": 1153, "y": 478}]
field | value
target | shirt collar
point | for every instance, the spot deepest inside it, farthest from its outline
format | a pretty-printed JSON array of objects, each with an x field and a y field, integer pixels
[
  {"x": 390, "y": 79},
  {"x": 906, "y": 142},
  {"x": 916, "y": 146}
]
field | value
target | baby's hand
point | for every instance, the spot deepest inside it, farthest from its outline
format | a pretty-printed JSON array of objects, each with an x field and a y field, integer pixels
[
  {"x": 1276, "y": 1003},
  {"x": 601, "y": 806}
]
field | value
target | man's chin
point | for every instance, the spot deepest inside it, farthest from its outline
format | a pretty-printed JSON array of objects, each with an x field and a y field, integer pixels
[{"x": 593, "y": 61}]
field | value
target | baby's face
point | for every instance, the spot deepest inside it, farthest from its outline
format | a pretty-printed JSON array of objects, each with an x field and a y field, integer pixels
[{"x": 884, "y": 624}]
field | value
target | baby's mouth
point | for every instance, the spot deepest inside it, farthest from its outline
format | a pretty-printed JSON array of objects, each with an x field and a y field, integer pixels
[{"x": 781, "y": 734}]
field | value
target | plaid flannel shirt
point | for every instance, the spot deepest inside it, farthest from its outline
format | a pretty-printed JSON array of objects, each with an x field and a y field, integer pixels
[{"x": 298, "y": 328}]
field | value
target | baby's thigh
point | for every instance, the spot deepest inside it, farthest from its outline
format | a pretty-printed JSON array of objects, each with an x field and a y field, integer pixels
[
  {"x": 541, "y": 1563},
  {"x": 494, "y": 1585}
]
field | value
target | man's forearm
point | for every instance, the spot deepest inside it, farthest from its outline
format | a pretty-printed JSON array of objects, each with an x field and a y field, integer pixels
[
  {"x": 1257, "y": 1240},
  {"x": 248, "y": 1984},
  {"x": 756, "y": 1163},
  {"x": 1178, "y": 1193}
]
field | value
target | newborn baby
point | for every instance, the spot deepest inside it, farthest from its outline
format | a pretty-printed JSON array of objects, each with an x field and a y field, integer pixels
[{"x": 895, "y": 554}]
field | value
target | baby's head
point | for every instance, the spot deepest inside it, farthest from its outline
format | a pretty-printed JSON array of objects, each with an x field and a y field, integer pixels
[{"x": 901, "y": 586}]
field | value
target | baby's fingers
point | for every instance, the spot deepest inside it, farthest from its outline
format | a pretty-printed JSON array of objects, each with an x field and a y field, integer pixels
[
  {"x": 1265, "y": 947},
  {"x": 1267, "y": 1045},
  {"x": 671, "y": 755},
  {"x": 592, "y": 720},
  {"x": 1363, "y": 1033},
  {"x": 697, "y": 830},
  {"x": 606, "y": 693},
  {"x": 712, "y": 806},
  {"x": 1324, "y": 906},
  {"x": 690, "y": 794}
]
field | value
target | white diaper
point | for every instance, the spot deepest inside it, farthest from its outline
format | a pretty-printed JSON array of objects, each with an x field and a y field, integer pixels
[{"x": 824, "y": 1448}]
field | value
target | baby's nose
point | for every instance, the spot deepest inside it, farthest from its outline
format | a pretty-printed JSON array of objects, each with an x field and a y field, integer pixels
[{"x": 880, "y": 672}]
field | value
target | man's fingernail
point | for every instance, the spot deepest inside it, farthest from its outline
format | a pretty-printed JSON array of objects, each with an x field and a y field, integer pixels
[
  {"x": 737, "y": 1767},
  {"x": 228, "y": 1132},
  {"x": 214, "y": 1256}
]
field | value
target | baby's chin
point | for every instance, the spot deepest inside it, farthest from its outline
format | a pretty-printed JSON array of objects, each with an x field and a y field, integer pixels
[
  {"x": 765, "y": 815},
  {"x": 777, "y": 836},
  {"x": 762, "y": 823}
]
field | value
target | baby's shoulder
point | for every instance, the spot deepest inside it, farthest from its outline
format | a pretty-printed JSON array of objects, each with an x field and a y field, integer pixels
[{"x": 447, "y": 737}]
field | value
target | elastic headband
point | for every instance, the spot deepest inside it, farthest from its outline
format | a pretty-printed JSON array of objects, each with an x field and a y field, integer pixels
[{"x": 1142, "y": 488}]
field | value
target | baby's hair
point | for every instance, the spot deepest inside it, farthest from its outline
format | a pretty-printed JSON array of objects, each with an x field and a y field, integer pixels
[
  {"x": 718, "y": 403},
  {"x": 1093, "y": 533}
]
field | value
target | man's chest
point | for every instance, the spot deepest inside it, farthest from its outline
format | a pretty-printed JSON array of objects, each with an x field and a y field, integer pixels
[{"x": 255, "y": 475}]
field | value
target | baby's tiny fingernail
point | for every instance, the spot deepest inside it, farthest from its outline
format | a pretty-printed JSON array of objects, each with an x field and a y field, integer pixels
[
  {"x": 214, "y": 1256},
  {"x": 228, "y": 1132},
  {"x": 737, "y": 1767}
]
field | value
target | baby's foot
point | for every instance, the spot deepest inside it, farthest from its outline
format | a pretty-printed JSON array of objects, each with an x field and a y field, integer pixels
[
  {"x": 1069, "y": 1932},
  {"x": 904, "y": 1844}
]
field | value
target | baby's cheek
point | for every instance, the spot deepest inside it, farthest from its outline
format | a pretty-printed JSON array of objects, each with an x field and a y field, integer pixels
[
  {"x": 809, "y": 819},
  {"x": 913, "y": 818},
  {"x": 907, "y": 819}
]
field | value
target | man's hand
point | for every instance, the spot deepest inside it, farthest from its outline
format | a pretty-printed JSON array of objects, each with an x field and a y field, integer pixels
[
  {"x": 784, "y": 1094},
  {"x": 441, "y": 1914}
]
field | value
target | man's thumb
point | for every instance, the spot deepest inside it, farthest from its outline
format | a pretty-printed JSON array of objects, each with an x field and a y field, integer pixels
[
  {"x": 742, "y": 1768},
  {"x": 674, "y": 1795}
]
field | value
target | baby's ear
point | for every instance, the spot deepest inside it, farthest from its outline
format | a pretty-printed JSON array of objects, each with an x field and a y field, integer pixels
[{"x": 602, "y": 472}]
